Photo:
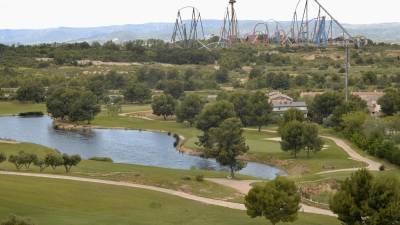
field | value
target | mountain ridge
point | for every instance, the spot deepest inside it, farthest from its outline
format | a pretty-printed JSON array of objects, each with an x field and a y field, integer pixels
[{"x": 380, "y": 32}]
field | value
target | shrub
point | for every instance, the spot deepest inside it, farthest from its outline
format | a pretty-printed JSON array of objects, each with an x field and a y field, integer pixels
[
  {"x": 187, "y": 178},
  {"x": 22, "y": 159},
  {"x": 101, "y": 159},
  {"x": 33, "y": 114},
  {"x": 15, "y": 220},
  {"x": 3, "y": 157},
  {"x": 200, "y": 178}
]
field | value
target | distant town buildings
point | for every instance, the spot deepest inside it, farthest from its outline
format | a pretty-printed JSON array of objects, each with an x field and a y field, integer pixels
[
  {"x": 370, "y": 97},
  {"x": 281, "y": 103}
]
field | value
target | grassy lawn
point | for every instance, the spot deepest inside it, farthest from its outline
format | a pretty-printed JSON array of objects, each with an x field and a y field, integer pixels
[
  {"x": 182, "y": 180},
  {"x": 12, "y": 108},
  {"x": 331, "y": 158},
  {"x": 49, "y": 202},
  {"x": 261, "y": 149}
]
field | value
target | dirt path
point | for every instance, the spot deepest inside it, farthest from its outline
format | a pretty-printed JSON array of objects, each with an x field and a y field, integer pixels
[
  {"x": 134, "y": 114},
  {"x": 244, "y": 186},
  {"x": 354, "y": 155},
  {"x": 231, "y": 205},
  {"x": 372, "y": 165}
]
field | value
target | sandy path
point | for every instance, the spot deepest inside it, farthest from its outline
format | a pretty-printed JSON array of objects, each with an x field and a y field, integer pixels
[
  {"x": 244, "y": 186},
  {"x": 132, "y": 185},
  {"x": 353, "y": 154},
  {"x": 238, "y": 185},
  {"x": 372, "y": 165}
]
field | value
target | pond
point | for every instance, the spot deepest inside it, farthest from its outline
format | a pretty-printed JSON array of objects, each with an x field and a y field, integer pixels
[{"x": 123, "y": 146}]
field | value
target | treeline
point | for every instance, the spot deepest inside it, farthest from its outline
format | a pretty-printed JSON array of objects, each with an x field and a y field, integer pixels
[
  {"x": 132, "y": 51},
  {"x": 53, "y": 160},
  {"x": 378, "y": 136}
]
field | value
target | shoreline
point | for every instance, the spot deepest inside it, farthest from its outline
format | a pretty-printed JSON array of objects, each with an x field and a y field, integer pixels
[{"x": 180, "y": 147}]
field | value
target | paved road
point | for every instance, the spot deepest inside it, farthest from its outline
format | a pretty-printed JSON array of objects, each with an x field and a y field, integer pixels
[{"x": 208, "y": 201}]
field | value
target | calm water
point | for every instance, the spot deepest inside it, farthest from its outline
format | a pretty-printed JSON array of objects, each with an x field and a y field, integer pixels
[{"x": 123, "y": 146}]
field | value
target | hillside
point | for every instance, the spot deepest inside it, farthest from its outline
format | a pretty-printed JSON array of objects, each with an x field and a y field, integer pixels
[{"x": 387, "y": 32}]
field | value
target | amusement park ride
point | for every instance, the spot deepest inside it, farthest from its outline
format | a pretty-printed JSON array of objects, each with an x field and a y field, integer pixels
[{"x": 312, "y": 24}]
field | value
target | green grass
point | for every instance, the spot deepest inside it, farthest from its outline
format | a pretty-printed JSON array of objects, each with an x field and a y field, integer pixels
[
  {"x": 49, "y": 202},
  {"x": 161, "y": 177},
  {"x": 261, "y": 149},
  {"x": 13, "y": 108}
]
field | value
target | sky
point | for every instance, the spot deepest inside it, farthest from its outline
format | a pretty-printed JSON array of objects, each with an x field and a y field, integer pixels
[{"x": 35, "y": 14}]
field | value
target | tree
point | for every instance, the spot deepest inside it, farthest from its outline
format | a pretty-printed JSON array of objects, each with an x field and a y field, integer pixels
[
  {"x": 363, "y": 199},
  {"x": 31, "y": 91},
  {"x": 292, "y": 137},
  {"x": 3, "y": 157},
  {"x": 22, "y": 159},
  {"x": 211, "y": 116},
  {"x": 113, "y": 108},
  {"x": 277, "y": 201},
  {"x": 228, "y": 144},
  {"x": 15, "y": 220},
  {"x": 53, "y": 160},
  {"x": 311, "y": 141},
  {"x": 41, "y": 164},
  {"x": 76, "y": 105},
  {"x": 261, "y": 109},
  {"x": 324, "y": 105},
  {"x": 59, "y": 101},
  {"x": 390, "y": 103},
  {"x": 163, "y": 105},
  {"x": 189, "y": 108},
  {"x": 354, "y": 104},
  {"x": 256, "y": 72},
  {"x": 175, "y": 88},
  {"x": 352, "y": 123},
  {"x": 293, "y": 115},
  {"x": 96, "y": 85},
  {"x": 242, "y": 106},
  {"x": 70, "y": 161},
  {"x": 140, "y": 93},
  {"x": 84, "y": 108},
  {"x": 221, "y": 75}
]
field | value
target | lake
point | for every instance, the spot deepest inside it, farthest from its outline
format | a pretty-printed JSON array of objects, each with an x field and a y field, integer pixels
[{"x": 123, "y": 146}]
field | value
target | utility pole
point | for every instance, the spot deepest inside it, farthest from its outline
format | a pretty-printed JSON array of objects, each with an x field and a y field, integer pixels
[{"x": 347, "y": 67}]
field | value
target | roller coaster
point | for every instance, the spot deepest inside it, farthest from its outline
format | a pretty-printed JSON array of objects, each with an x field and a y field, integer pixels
[{"x": 312, "y": 24}]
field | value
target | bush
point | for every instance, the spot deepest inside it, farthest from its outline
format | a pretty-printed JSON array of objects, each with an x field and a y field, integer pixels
[
  {"x": 200, "y": 178},
  {"x": 101, "y": 159},
  {"x": 187, "y": 178},
  {"x": 22, "y": 159},
  {"x": 3, "y": 157},
  {"x": 33, "y": 114},
  {"x": 15, "y": 220}
]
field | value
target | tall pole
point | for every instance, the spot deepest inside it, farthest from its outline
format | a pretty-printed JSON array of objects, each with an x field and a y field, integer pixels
[
  {"x": 347, "y": 66},
  {"x": 307, "y": 27}
]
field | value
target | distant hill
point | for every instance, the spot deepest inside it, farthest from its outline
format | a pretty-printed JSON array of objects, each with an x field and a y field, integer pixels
[{"x": 387, "y": 32}]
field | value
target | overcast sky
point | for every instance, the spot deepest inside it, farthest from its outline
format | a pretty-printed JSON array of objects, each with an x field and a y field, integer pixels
[{"x": 89, "y": 13}]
